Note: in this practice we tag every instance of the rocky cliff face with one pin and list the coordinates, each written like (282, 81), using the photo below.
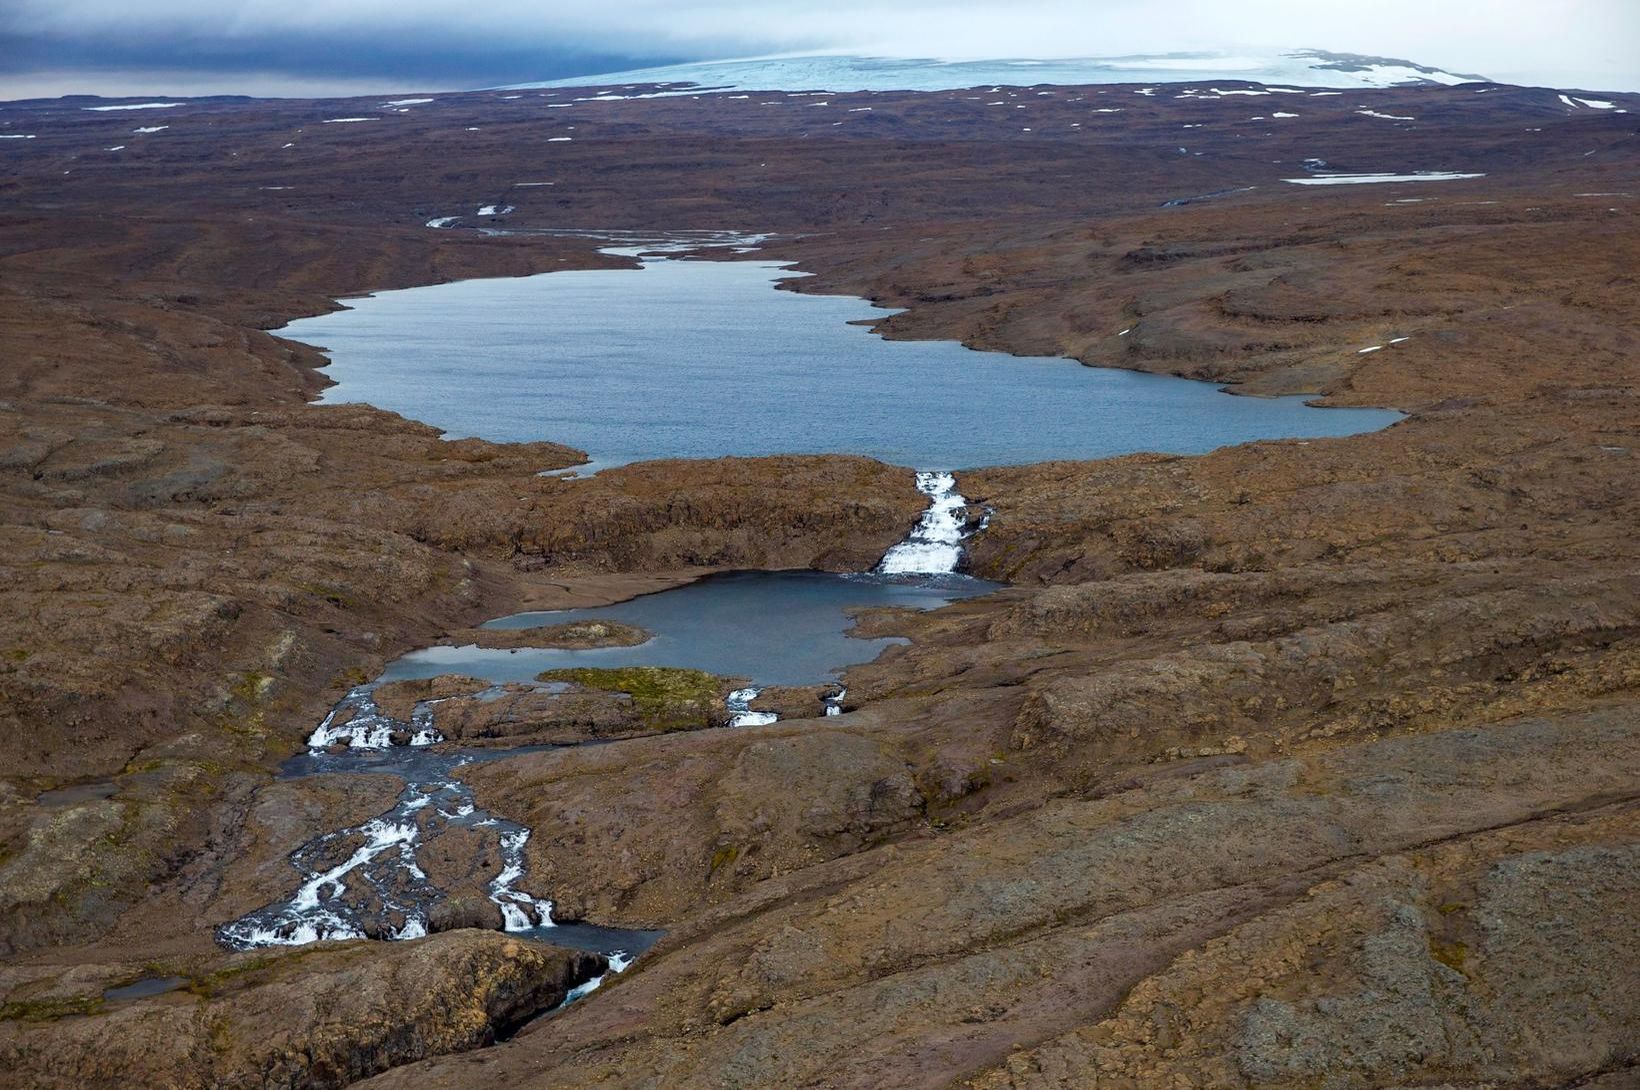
(322, 1017)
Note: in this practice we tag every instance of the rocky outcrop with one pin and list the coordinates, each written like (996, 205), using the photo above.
(677, 819)
(527, 715)
(316, 1019)
(1347, 910)
(398, 699)
(1435, 962)
(574, 635)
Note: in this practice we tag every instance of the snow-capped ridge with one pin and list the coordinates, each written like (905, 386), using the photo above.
(842, 73)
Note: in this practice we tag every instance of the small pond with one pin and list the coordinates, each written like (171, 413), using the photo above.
(772, 628)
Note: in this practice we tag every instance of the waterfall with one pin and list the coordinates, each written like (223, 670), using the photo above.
(934, 545)
(739, 704)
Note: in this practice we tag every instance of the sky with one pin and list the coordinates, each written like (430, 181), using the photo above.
(324, 47)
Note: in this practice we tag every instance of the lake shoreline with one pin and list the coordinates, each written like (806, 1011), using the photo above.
(815, 378)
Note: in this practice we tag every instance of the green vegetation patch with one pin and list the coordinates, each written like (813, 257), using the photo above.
(723, 857)
(1451, 954)
(49, 1010)
(258, 968)
(666, 697)
(574, 635)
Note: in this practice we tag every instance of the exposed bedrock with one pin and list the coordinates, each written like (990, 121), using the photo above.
(1364, 914)
(320, 1018)
(667, 823)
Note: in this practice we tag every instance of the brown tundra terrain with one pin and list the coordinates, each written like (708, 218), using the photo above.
(1297, 764)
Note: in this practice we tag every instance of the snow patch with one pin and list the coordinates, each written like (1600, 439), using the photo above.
(135, 106)
(1591, 103)
(1369, 179)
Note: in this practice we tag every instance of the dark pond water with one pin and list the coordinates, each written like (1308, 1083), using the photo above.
(147, 986)
(773, 628)
(75, 794)
(697, 359)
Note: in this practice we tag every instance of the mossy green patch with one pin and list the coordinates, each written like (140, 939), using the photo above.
(208, 984)
(327, 594)
(666, 697)
(723, 857)
(350, 678)
(252, 686)
(49, 1010)
(1450, 954)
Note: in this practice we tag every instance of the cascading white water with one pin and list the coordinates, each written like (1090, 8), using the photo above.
(516, 905)
(368, 727)
(377, 888)
(934, 545)
(618, 963)
(739, 704)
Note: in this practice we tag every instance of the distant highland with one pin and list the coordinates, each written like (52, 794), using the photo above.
(844, 72)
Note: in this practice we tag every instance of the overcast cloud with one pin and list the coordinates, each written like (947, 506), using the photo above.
(343, 46)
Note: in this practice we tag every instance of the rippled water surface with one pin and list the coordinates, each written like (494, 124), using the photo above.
(697, 359)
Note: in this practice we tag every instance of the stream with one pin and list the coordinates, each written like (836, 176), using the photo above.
(368, 880)
(574, 357)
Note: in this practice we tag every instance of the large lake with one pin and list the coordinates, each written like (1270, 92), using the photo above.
(697, 359)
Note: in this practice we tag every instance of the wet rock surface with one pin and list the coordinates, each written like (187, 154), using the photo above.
(398, 699)
(797, 701)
